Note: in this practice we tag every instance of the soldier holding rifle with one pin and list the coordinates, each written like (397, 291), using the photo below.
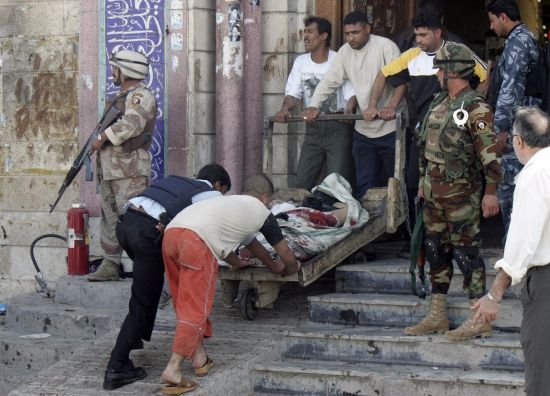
(123, 159)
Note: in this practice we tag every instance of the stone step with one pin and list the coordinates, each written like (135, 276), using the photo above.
(27, 352)
(21, 359)
(32, 313)
(398, 310)
(76, 290)
(324, 342)
(12, 377)
(368, 379)
(391, 276)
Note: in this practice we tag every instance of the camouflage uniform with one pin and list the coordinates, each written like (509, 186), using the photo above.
(510, 90)
(453, 161)
(124, 164)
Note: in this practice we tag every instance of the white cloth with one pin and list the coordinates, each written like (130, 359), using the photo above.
(361, 67)
(338, 187)
(223, 222)
(306, 75)
(528, 239)
(306, 239)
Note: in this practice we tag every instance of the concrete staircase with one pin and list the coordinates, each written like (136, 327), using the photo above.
(38, 332)
(81, 324)
(311, 343)
(354, 344)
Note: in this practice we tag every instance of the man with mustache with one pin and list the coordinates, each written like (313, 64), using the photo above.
(328, 141)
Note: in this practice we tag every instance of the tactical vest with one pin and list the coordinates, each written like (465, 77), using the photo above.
(447, 144)
(175, 193)
(144, 139)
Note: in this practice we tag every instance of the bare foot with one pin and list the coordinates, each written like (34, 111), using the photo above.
(199, 357)
(172, 371)
(170, 379)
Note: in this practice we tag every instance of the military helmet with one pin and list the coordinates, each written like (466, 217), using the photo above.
(454, 57)
(131, 64)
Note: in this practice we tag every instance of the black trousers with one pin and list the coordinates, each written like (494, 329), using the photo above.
(137, 235)
(535, 339)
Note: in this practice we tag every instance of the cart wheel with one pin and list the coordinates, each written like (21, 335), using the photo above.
(250, 304)
(359, 257)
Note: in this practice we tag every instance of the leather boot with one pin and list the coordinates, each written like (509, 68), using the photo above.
(107, 271)
(469, 329)
(436, 321)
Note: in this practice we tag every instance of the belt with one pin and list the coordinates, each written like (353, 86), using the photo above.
(538, 268)
(140, 212)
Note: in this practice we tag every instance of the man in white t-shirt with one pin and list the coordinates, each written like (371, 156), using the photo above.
(328, 140)
(193, 243)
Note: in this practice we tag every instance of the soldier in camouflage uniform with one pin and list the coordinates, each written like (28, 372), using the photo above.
(457, 148)
(123, 160)
(514, 83)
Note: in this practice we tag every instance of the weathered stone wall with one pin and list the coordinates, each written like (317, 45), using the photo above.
(201, 127)
(43, 44)
(282, 42)
(38, 131)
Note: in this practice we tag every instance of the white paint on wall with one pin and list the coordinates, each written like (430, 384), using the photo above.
(177, 4)
(8, 162)
(175, 62)
(220, 16)
(232, 58)
(88, 82)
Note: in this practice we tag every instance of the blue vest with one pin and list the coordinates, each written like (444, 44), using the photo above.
(175, 193)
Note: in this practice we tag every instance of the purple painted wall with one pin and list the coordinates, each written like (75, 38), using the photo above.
(139, 25)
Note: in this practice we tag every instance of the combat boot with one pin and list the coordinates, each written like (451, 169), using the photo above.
(469, 329)
(107, 271)
(436, 321)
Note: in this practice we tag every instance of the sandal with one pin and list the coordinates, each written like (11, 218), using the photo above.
(202, 371)
(184, 386)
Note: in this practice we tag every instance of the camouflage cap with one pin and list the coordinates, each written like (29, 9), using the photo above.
(454, 57)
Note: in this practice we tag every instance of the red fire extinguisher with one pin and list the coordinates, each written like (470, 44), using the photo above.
(77, 240)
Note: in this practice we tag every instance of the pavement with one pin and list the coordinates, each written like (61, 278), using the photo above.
(237, 345)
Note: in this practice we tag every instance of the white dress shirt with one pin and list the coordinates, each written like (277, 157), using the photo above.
(154, 209)
(528, 240)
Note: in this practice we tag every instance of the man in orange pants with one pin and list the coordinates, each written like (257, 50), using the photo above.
(193, 242)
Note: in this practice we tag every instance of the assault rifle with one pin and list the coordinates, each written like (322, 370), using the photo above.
(110, 115)
(418, 254)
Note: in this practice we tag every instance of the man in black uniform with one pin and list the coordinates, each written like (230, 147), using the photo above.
(139, 232)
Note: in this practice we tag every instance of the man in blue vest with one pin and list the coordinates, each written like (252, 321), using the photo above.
(139, 232)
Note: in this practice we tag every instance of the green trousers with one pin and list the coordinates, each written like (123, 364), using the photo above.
(328, 141)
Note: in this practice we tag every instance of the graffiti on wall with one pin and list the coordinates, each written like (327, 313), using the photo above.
(138, 25)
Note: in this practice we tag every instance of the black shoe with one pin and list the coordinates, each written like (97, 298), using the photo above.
(137, 345)
(115, 379)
